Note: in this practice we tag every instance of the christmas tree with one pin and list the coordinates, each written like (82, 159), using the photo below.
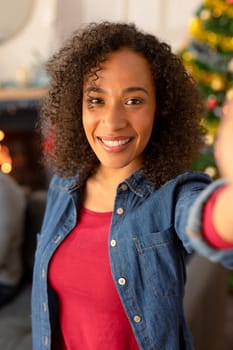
(208, 56)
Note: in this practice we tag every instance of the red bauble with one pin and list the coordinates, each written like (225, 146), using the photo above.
(211, 103)
(230, 2)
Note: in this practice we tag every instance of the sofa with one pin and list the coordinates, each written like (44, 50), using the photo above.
(205, 300)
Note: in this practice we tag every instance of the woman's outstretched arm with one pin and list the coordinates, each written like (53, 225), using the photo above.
(223, 208)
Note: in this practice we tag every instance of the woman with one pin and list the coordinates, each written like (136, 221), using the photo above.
(121, 122)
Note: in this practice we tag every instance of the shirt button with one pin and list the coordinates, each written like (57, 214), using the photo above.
(44, 307)
(113, 243)
(57, 239)
(137, 318)
(46, 340)
(122, 281)
(124, 187)
(120, 211)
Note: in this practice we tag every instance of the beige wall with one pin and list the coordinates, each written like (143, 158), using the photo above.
(167, 19)
(53, 20)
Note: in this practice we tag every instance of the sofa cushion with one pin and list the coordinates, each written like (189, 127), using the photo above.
(12, 213)
(34, 216)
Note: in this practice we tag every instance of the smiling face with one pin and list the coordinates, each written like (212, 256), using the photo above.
(119, 110)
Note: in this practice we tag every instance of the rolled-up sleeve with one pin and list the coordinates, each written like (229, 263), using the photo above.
(194, 229)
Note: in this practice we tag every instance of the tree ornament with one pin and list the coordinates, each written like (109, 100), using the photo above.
(217, 12)
(195, 27)
(211, 102)
(217, 84)
(187, 56)
(213, 38)
(217, 111)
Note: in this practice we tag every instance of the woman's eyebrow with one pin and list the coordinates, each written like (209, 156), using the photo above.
(135, 88)
(94, 89)
(126, 90)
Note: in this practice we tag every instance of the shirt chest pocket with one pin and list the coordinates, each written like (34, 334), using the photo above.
(160, 262)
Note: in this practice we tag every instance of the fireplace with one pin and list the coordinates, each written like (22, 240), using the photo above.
(20, 154)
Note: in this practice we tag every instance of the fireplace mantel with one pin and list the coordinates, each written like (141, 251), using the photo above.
(19, 108)
(12, 94)
(20, 97)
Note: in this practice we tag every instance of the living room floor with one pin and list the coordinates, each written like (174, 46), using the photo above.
(229, 323)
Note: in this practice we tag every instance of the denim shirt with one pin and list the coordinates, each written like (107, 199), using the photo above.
(148, 246)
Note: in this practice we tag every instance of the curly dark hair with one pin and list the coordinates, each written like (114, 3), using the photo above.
(177, 134)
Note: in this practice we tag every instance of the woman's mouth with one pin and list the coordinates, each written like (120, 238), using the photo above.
(117, 144)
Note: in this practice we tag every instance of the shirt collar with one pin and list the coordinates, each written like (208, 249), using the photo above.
(139, 184)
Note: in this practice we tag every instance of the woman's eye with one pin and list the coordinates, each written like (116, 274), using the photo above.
(134, 101)
(94, 101)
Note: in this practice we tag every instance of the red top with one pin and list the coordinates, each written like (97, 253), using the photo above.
(91, 313)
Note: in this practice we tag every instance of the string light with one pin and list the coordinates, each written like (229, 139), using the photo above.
(211, 171)
(6, 168)
(209, 139)
(2, 135)
(229, 94)
(5, 159)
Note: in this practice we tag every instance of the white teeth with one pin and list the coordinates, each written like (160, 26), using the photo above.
(111, 143)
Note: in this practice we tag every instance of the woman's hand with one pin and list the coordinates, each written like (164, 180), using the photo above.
(222, 213)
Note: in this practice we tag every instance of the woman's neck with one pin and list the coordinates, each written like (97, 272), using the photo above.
(113, 177)
(100, 188)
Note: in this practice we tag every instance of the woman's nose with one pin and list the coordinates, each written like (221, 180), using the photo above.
(115, 117)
